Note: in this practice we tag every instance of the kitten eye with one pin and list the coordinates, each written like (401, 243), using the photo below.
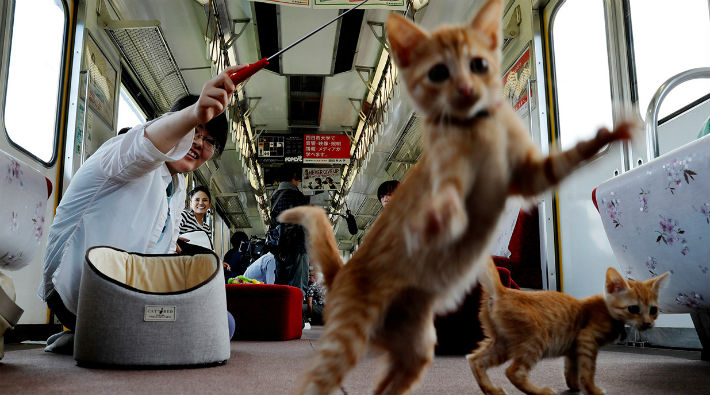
(438, 73)
(633, 309)
(479, 65)
(653, 310)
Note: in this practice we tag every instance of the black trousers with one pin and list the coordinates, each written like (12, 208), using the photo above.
(66, 317)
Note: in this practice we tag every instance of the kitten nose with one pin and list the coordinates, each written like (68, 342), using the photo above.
(646, 325)
(465, 90)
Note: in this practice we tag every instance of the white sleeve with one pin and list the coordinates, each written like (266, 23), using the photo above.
(131, 155)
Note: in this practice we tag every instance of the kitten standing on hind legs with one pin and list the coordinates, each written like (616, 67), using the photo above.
(526, 326)
(420, 256)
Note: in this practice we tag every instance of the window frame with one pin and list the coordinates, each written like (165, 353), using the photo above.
(60, 84)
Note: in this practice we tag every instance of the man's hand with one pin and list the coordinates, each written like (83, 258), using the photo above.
(215, 95)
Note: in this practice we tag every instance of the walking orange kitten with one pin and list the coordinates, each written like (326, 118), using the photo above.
(528, 326)
(420, 255)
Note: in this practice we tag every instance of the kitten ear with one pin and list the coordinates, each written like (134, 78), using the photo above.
(403, 35)
(658, 281)
(489, 20)
(614, 282)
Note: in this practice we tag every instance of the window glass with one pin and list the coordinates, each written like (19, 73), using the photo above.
(581, 70)
(670, 37)
(33, 80)
(129, 113)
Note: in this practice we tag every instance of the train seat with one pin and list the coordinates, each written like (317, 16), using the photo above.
(265, 311)
(24, 192)
(657, 219)
(460, 331)
(151, 310)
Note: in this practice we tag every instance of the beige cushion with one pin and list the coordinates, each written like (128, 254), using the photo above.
(169, 273)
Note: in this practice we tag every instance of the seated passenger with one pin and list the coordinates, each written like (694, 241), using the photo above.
(385, 190)
(315, 299)
(236, 260)
(195, 219)
(263, 269)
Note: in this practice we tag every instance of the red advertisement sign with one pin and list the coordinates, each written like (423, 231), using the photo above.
(326, 148)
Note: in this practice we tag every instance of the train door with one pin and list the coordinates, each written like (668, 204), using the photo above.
(594, 64)
(33, 65)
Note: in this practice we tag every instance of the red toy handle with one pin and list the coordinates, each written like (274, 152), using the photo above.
(243, 74)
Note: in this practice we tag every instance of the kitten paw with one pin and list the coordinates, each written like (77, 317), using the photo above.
(595, 390)
(494, 391)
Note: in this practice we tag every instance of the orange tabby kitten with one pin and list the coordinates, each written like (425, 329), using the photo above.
(420, 255)
(528, 326)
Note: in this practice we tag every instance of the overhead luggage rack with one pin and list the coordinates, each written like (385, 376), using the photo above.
(143, 47)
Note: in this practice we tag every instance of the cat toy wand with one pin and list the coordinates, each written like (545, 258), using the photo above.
(248, 71)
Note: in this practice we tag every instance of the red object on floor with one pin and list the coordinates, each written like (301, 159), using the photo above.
(524, 246)
(265, 311)
(459, 332)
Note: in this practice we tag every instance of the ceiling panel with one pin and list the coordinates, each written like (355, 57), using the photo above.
(271, 109)
(314, 55)
(337, 108)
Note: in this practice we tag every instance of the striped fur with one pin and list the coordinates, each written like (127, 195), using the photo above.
(528, 326)
(421, 255)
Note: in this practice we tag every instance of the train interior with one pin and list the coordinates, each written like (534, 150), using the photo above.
(75, 72)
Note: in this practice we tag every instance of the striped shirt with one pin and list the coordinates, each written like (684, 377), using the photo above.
(188, 223)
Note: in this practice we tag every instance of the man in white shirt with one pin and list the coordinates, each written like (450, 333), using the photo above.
(130, 193)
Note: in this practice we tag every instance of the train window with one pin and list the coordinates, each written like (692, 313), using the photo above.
(581, 70)
(34, 75)
(129, 113)
(669, 38)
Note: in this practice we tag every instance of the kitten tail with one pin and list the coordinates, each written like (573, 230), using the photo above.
(490, 280)
(322, 247)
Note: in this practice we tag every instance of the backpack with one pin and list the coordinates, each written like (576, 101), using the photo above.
(283, 240)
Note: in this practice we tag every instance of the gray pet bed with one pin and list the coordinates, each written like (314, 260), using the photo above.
(151, 310)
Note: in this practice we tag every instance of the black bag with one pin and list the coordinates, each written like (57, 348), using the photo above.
(283, 240)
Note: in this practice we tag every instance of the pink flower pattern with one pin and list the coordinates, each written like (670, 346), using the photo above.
(38, 221)
(14, 172)
(651, 264)
(705, 211)
(690, 299)
(671, 233)
(643, 198)
(8, 259)
(677, 171)
(613, 210)
(13, 222)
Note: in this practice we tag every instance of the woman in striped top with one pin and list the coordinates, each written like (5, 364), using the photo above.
(196, 218)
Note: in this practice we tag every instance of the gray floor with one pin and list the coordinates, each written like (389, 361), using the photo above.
(276, 367)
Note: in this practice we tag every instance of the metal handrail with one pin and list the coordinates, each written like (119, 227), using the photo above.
(654, 105)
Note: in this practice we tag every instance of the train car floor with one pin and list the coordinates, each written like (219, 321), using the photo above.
(275, 367)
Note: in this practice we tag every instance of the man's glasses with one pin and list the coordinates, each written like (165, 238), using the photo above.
(209, 143)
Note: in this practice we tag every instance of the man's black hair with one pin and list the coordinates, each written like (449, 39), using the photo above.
(217, 126)
(386, 188)
(289, 172)
(237, 238)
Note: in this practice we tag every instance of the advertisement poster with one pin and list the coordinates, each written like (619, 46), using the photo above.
(393, 5)
(102, 82)
(270, 147)
(515, 82)
(293, 149)
(279, 149)
(326, 148)
(318, 179)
